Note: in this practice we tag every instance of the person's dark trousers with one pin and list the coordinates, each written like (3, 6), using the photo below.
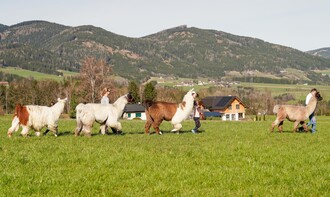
(197, 123)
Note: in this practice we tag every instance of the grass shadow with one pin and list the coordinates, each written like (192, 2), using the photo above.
(65, 133)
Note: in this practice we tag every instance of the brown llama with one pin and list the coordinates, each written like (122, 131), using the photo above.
(156, 112)
(296, 114)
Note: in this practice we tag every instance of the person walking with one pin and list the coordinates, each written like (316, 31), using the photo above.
(198, 113)
(312, 119)
(105, 96)
(105, 101)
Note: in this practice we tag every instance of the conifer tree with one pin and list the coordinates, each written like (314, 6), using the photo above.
(149, 93)
(134, 90)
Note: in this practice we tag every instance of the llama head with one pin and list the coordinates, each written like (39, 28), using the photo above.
(190, 96)
(318, 96)
(129, 97)
(62, 100)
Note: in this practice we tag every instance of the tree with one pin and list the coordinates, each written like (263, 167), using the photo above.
(149, 92)
(94, 73)
(134, 90)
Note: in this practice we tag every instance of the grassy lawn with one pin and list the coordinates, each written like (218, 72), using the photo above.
(226, 159)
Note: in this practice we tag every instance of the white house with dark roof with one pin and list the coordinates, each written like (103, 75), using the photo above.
(230, 107)
(132, 111)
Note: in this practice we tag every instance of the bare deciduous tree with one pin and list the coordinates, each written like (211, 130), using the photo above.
(94, 73)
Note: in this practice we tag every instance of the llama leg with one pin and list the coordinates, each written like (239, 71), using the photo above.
(77, 131)
(106, 130)
(55, 131)
(155, 125)
(295, 126)
(78, 128)
(14, 126)
(53, 128)
(280, 127)
(303, 123)
(177, 127)
(305, 127)
(88, 130)
(45, 133)
(25, 131)
(147, 126)
(118, 128)
(102, 129)
(38, 133)
(274, 124)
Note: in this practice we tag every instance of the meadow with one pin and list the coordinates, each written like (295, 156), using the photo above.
(226, 159)
(36, 75)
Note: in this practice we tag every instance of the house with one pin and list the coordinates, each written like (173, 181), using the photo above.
(230, 107)
(134, 111)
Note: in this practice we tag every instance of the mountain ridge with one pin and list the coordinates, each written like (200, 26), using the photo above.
(179, 51)
(322, 52)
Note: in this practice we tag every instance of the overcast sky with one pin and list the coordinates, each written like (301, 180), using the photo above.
(300, 24)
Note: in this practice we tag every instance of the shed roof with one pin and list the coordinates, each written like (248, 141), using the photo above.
(134, 108)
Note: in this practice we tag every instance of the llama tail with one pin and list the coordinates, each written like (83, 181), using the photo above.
(17, 116)
(147, 104)
(18, 109)
(276, 108)
(79, 111)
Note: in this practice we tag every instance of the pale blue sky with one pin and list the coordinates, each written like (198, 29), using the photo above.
(300, 24)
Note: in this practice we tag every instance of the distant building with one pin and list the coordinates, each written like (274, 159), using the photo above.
(230, 107)
(132, 111)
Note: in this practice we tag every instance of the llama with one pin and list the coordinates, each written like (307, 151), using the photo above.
(106, 115)
(296, 114)
(156, 112)
(36, 117)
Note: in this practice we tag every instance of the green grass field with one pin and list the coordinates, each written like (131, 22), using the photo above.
(226, 159)
(36, 75)
(299, 91)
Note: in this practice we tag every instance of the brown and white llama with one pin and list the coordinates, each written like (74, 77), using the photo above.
(36, 117)
(296, 114)
(156, 112)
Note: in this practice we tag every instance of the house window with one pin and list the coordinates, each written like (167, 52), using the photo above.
(229, 107)
(240, 115)
(138, 115)
(233, 117)
(227, 117)
(237, 106)
(129, 115)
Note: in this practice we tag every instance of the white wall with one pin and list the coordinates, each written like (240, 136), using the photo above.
(133, 115)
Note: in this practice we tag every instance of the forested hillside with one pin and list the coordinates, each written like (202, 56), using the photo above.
(2, 27)
(180, 52)
(323, 52)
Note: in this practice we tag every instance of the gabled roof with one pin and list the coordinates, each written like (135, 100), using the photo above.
(219, 102)
(129, 108)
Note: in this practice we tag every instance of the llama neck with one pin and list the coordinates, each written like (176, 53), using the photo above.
(58, 108)
(120, 105)
(189, 106)
(311, 105)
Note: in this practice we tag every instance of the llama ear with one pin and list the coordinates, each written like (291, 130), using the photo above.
(191, 90)
(58, 99)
